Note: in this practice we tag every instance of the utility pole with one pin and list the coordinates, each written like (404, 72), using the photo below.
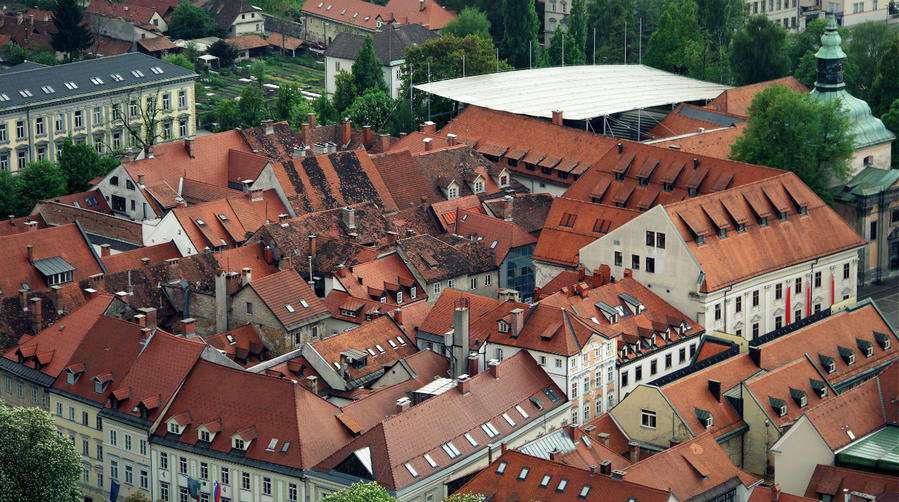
(463, 65)
(563, 49)
(625, 42)
(594, 45)
(640, 60)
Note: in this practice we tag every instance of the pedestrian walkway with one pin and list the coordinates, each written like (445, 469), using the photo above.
(886, 296)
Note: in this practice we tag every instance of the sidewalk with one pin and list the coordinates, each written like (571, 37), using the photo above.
(886, 296)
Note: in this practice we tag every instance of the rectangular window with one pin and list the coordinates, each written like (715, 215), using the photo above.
(291, 492)
(128, 442)
(650, 265)
(668, 361)
(648, 419)
(618, 259)
(182, 128)
(755, 298)
(182, 465)
(20, 129)
(845, 271)
(474, 283)
(798, 285)
(778, 291)
(98, 115)
(182, 98)
(4, 161)
(226, 476)
(660, 240)
(163, 461)
(5, 137)
(249, 308)
(635, 262)
(116, 111)
(624, 378)
(114, 469)
(144, 479)
(164, 492)
(681, 355)
(129, 474)
(653, 366)
(22, 160)
(487, 282)
(85, 417)
(778, 322)
(99, 451)
(245, 480)
(39, 125)
(755, 330)
(79, 119)
(638, 373)
(85, 447)
(204, 470)
(133, 108)
(817, 279)
(166, 101)
(650, 238)
(738, 304)
(266, 486)
(573, 390)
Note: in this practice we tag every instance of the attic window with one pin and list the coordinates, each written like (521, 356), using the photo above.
(204, 436)
(799, 396)
(402, 342)
(545, 481)
(355, 15)
(584, 491)
(371, 351)
(47, 89)
(783, 216)
(562, 484)
(137, 73)
(568, 220)
(70, 85)
(430, 461)
(451, 450)
(490, 430)
(328, 7)
(25, 93)
(380, 349)
(272, 444)
(201, 222)
(174, 427)
(157, 70)
(741, 228)
(803, 210)
(223, 217)
(411, 469)
(551, 394)
(96, 80)
(508, 419)
(231, 340)
(238, 444)
(289, 308)
(285, 446)
(779, 406)
(847, 354)
(700, 240)
(367, 18)
(392, 343)
(828, 363)
(521, 411)
(501, 468)
(763, 221)
(493, 244)
(343, 12)
(865, 346)
(819, 387)
(471, 440)
(304, 304)
(705, 418)
(116, 77)
(882, 340)
(524, 473)
(503, 327)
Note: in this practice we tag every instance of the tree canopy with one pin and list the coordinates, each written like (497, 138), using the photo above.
(577, 25)
(520, 26)
(367, 72)
(868, 42)
(225, 51)
(39, 180)
(606, 22)
(552, 56)
(885, 89)
(188, 21)
(361, 492)
(373, 108)
(180, 60)
(890, 120)
(797, 132)
(72, 36)
(36, 463)
(470, 21)
(758, 51)
(80, 163)
(325, 112)
(345, 91)
(677, 44)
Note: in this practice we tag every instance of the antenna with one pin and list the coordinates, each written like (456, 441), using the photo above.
(625, 42)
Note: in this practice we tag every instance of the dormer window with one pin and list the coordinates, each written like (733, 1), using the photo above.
(866, 347)
(799, 396)
(238, 444)
(478, 186)
(668, 187)
(705, 418)
(691, 191)
(778, 405)
(384, 299)
(882, 340)
(783, 216)
(803, 210)
(73, 373)
(413, 292)
(452, 192)
(819, 387)
(847, 354)
(763, 221)
(399, 297)
(101, 383)
(827, 363)
(174, 428)
(204, 436)
(504, 180)
(741, 228)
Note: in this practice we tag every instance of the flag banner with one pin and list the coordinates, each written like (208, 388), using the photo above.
(193, 486)
(113, 491)
(216, 492)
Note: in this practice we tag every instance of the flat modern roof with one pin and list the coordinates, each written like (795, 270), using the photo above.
(580, 92)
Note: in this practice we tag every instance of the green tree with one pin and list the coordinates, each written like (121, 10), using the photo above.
(890, 120)
(257, 69)
(325, 112)
(226, 52)
(72, 36)
(180, 60)
(345, 91)
(190, 22)
(470, 21)
(758, 51)
(361, 492)
(677, 45)
(519, 32)
(374, 108)
(288, 96)
(44, 57)
(552, 56)
(885, 89)
(40, 180)
(868, 42)
(577, 26)
(465, 497)
(251, 106)
(607, 20)
(226, 113)
(14, 53)
(445, 55)
(8, 202)
(719, 20)
(36, 463)
(137, 497)
(191, 52)
(367, 72)
(80, 163)
(298, 113)
(797, 132)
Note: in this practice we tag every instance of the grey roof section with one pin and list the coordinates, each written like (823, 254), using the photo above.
(390, 45)
(81, 73)
(27, 65)
(30, 374)
(708, 116)
(557, 440)
(54, 265)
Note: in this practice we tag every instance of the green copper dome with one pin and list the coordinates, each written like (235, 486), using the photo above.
(829, 86)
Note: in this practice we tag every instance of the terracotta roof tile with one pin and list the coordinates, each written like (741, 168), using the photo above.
(132, 14)
(387, 274)
(134, 258)
(18, 226)
(767, 494)
(500, 235)
(251, 255)
(156, 44)
(437, 259)
(242, 345)
(414, 142)
(429, 14)
(528, 210)
(605, 424)
(440, 320)
(365, 339)
(404, 179)
(247, 42)
(462, 164)
(711, 143)
(355, 12)
(686, 118)
(447, 210)
(736, 101)
(284, 42)
(287, 296)
(857, 408)
(788, 383)
(92, 200)
(832, 480)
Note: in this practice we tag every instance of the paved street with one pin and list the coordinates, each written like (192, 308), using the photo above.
(886, 296)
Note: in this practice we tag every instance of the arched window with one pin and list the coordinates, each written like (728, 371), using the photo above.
(114, 181)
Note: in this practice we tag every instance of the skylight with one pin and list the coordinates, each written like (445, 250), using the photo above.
(71, 85)
(490, 430)
(584, 491)
(501, 468)
(545, 481)
(430, 460)
(391, 342)
(25, 93)
(524, 473)
(380, 349)
(493, 244)
(231, 340)
(320, 4)
(223, 217)
(289, 308)
(137, 73)
(285, 446)
(4, 97)
(411, 470)
(371, 351)
(304, 304)
(402, 342)
(508, 419)
(471, 440)
(343, 12)
(47, 89)
(451, 450)
(200, 222)
(521, 410)
(562, 484)
(96, 80)
(116, 77)
(157, 70)
(272, 444)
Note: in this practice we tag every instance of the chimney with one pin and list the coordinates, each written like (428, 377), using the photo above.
(461, 344)
(493, 367)
(472, 363)
(557, 117)
(421, 5)
(140, 320)
(847, 497)
(628, 272)
(517, 321)
(145, 261)
(188, 326)
(695, 163)
(775, 492)
(508, 201)
(189, 146)
(173, 270)
(282, 219)
(554, 454)
(36, 315)
(149, 152)
(603, 438)
(428, 128)
(54, 297)
(140, 179)
(403, 404)
(246, 275)
(255, 195)
(20, 17)
(269, 126)
(180, 202)
(310, 119)
(29, 249)
(349, 218)
(755, 354)
(427, 142)
(306, 133)
(232, 283)
(398, 316)
(451, 139)
(311, 383)
(620, 148)
(593, 470)
(150, 315)
(268, 255)
(605, 467)
(618, 474)
(715, 389)
(464, 384)
(298, 152)
(30, 19)
(604, 275)
(23, 299)
(384, 142)
(105, 250)
(672, 443)
(345, 132)
(313, 248)
(634, 448)
(145, 334)
(366, 135)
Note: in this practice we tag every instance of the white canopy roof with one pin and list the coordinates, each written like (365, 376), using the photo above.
(580, 92)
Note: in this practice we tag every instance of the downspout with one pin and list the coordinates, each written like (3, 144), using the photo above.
(880, 230)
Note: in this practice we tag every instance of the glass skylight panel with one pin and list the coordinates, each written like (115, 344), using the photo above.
(47, 89)
(471, 440)
(402, 342)
(584, 491)
(501, 468)
(4, 97)
(96, 80)
(430, 460)
(452, 451)
(272, 445)
(71, 85)
(336, 365)
(24, 93)
(493, 244)
(371, 351)
(545, 481)
(391, 342)
(137, 73)
(411, 470)
(508, 419)
(289, 308)
(587, 442)
(562, 484)
(522, 412)
(490, 430)
(524, 473)
(380, 349)
(304, 304)
(285, 446)
(157, 70)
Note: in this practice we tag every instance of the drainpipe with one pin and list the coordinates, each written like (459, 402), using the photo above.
(880, 230)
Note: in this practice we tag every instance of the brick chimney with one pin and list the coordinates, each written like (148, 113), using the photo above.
(384, 142)
(189, 146)
(105, 250)
(403, 404)
(269, 126)
(421, 5)
(311, 383)
(605, 467)
(140, 179)
(366, 135)
(306, 133)
(56, 298)
(313, 244)
(30, 226)
(246, 275)
(628, 272)
(493, 368)
(310, 119)
(398, 316)
(36, 314)
(428, 128)
(517, 321)
(451, 139)
(173, 270)
(775, 492)
(29, 250)
(603, 438)
(428, 142)
(461, 343)
(345, 132)
(150, 316)
(634, 448)
(268, 255)
(188, 326)
(508, 201)
(232, 283)
(463, 383)
(557, 117)
(349, 217)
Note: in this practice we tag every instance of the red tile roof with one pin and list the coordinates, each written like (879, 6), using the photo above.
(365, 339)
(737, 100)
(247, 42)
(156, 44)
(132, 14)
(242, 345)
(690, 469)
(385, 277)
(64, 241)
(275, 407)
(572, 224)
(404, 180)
(414, 142)
(196, 192)
(446, 211)
(569, 281)
(92, 200)
(679, 121)
(845, 329)
(364, 309)
(834, 481)
(127, 260)
(447, 417)
(251, 255)
(228, 222)
(542, 480)
(547, 328)
(17, 225)
(447, 257)
(784, 384)
(773, 494)
(759, 250)
(529, 210)
(428, 13)
(500, 235)
(285, 293)
(711, 346)
(711, 143)
(354, 12)
(605, 424)
(284, 41)
(440, 320)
